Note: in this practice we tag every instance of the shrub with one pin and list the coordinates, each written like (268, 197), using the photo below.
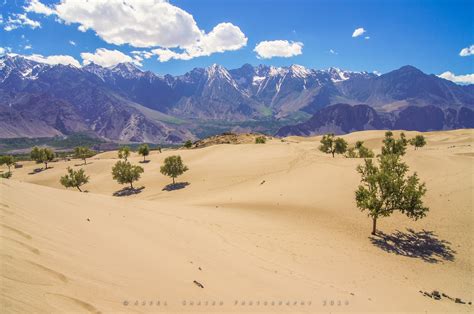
(144, 150)
(332, 145)
(8, 161)
(74, 179)
(188, 144)
(83, 152)
(173, 167)
(124, 152)
(260, 140)
(124, 172)
(418, 141)
(42, 155)
(393, 145)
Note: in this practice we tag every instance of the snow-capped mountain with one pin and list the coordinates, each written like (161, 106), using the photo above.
(125, 103)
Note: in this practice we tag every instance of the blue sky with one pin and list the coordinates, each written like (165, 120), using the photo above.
(319, 34)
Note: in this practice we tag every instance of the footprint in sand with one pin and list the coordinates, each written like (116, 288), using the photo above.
(29, 272)
(21, 233)
(64, 303)
(24, 245)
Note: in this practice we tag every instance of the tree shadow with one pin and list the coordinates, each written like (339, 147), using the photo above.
(82, 164)
(144, 161)
(38, 170)
(176, 186)
(127, 191)
(424, 245)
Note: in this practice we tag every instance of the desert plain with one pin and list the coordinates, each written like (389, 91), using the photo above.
(255, 228)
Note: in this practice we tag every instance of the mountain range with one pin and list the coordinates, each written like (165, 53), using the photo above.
(126, 104)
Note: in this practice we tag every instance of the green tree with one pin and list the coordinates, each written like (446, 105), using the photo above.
(260, 140)
(393, 145)
(42, 155)
(386, 187)
(74, 179)
(83, 152)
(332, 145)
(159, 149)
(173, 167)
(124, 152)
(144, 150)
(188, 144)
(124, 172)
(8, 161)
(364, 152)
(418, 141)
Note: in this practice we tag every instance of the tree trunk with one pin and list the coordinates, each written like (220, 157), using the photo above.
(332, 154)
(143, 158)
(374, 225)
(45, 165)
(85, 161)
(131, 185)
(79, 188)
(173, 180)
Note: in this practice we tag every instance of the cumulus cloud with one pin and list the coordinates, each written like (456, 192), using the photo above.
(223, 37)
(37, 7)
(148, 24)
(469, 51)
(107, 58)
(55, 59)
(19, 20)
(462, 79)
(278, 48)
(358, 31)
(72, 42)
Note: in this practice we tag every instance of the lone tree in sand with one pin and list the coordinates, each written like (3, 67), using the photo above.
(260, 140)
(331, 145)
(8, 161)
(124, 172)
(124, 152)
(83, 153)
(386, 188)
(418, 141)
(393, 145)
(144, 150)
(42, 155)
(74, 179)
(173, 167)
(188, 144)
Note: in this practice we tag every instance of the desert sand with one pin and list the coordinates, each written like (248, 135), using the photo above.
(257, 223)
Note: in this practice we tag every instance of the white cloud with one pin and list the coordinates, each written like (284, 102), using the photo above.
(55, 59)
(223, 37)
(332, 51)
(2, 51)
(278, 48)
(71, 42)
(142, 53)
(469, 51)
(107, 58)
(377, 73)
(149, 24)
(19, 20)
(37, 7)
(462, 79)
(358, 31)
(367, 37)
(27, 47)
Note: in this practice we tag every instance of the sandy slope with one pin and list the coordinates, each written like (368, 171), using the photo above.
(274, 222)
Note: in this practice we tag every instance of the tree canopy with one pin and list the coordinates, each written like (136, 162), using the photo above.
(83, 152)
(173, 167)
(393, 145)
(332, 145)
(74, 178)
(8, 161)
(418, 141)
(124, 172)
(42, 155)
(144, 150)
(124, 152)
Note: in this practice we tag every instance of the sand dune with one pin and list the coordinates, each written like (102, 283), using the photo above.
(260, 223)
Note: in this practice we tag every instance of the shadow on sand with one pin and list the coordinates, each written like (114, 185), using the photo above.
(144, 161)
(82, 164)
(424, 245)
(176, 186)
(38, 170)
(128, 191)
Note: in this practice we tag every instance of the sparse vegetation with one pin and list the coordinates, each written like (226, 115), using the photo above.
(393, 145)
(124, 152)
(386, 187)
(124, 172)
(359, 151)
(188, 144)
(83, 152)
(6, 175)
(260, 140)
(418, 141)
(332, 145)
(8, 161)
(74, 179)
(144, 150)
(42, 155)
(173, 167)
